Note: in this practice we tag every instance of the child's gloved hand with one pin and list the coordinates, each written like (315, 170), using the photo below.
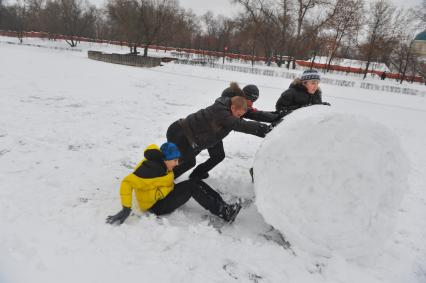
(283, 113)
(275, 123)
(120, 217)
(263, 130)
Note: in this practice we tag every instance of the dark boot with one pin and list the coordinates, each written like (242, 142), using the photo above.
(229, 212)
(212, 201)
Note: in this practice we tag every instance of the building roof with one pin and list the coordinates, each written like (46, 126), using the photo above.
(421, 36)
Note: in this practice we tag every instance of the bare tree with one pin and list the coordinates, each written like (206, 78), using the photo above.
(155, 21)
(124, 20)
(285, 27)
(33, 9)
(422, 70)
(346, 22)
(2, 9)
(186, 28)
(420, 14)
(303, 8)
(378, 29)
(218, 31)
(252, 20)
(50, 18)
(211, 33)
(270, 31)
(13, 18)
(148, 22)
(402, 35)
(77, 19)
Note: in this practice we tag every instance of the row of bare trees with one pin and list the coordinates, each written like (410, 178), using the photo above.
(282, 30)
(68, 17)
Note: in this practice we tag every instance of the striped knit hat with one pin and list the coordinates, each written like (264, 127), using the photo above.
(309, 75)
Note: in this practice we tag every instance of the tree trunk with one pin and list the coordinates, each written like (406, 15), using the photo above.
(406, 64)
(253, 53)
(71, 42)
(366, 69)
(313, 59)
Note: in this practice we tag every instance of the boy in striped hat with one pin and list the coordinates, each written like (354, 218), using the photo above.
(303, 91)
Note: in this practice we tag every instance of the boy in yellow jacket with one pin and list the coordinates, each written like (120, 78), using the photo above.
(155, 191)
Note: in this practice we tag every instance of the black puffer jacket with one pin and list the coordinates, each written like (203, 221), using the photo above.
(297, 96)
(252, 114)
(210, 125)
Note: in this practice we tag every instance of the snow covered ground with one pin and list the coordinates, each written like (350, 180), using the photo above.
(71, 128)
(85, 46)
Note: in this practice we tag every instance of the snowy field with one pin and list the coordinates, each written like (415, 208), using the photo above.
(72, 128)
(109, 48)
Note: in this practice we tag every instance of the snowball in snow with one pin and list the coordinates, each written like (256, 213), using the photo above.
(330, 181)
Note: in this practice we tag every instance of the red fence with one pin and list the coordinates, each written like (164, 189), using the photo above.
(46, 35)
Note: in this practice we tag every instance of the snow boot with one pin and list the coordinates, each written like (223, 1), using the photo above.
(230, 211)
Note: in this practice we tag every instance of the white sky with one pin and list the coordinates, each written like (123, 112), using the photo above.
(225, 7)
(200, 7)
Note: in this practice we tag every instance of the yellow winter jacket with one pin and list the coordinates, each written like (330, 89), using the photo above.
(151, 181)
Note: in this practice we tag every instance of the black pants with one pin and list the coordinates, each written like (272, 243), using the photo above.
(182, 192)
(176, 135)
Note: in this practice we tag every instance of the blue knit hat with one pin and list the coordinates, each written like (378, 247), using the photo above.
(170, 151)
(309, 75)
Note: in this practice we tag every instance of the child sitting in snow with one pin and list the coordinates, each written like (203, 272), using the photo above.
(153, 183)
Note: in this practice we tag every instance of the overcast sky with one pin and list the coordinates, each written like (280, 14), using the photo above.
(225, 7)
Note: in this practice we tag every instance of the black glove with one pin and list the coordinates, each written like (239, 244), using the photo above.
(283, 113)
(326, 103)
(275, 123)
(120, 217)
(263, 130)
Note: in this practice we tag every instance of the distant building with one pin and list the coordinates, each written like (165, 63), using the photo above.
(419, 44)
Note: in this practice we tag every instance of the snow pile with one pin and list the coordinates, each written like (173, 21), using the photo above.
(331, 182)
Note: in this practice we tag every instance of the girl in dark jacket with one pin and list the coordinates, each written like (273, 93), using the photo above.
(303, 91)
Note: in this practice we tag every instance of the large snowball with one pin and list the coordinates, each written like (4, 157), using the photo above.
(331, 182)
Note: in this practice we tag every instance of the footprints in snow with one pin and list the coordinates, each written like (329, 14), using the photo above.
(231, 268)
(4, 151)
(55, 99)
(276, 236)
(78, 147)
(34, 98)
(128, 164)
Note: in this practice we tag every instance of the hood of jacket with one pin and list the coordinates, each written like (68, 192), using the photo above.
(298, 85)
(233, 90)
(153, 165)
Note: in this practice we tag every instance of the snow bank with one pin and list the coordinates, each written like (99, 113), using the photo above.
(331, 182)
